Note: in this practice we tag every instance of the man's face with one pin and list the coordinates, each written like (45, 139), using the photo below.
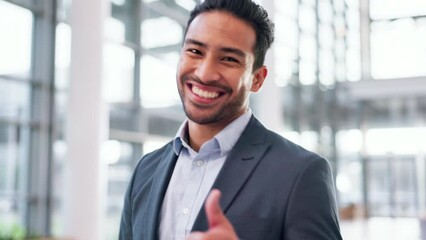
(215, 73)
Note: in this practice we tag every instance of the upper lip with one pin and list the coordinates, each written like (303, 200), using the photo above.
(207, 87)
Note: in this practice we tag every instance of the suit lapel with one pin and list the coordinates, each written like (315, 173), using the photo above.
(242, 160)
(160, 182)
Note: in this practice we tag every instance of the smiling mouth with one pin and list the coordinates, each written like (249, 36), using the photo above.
(204, 94)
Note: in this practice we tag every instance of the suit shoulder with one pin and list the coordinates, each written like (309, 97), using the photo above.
(152, 158)
(145, 168)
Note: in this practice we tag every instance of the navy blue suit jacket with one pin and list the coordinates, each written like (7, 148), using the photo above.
(271, 189)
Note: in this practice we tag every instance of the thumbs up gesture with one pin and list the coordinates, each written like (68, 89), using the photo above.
(219, 226)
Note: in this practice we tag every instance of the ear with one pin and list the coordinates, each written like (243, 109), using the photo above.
(258, 78)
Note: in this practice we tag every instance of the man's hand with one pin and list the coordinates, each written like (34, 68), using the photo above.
(219, 226)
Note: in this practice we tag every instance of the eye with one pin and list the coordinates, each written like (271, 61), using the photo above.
(194, 51)
(231, 59)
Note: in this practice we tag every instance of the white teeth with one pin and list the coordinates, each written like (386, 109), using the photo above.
(204, 94)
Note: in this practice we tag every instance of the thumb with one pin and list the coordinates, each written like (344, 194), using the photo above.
(214, 213)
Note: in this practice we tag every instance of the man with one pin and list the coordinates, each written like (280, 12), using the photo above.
(265, 187)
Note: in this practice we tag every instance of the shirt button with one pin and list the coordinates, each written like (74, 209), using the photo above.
(200, 163)
(185, 211)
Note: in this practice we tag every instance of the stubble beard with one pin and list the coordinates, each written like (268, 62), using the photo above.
(225, 113)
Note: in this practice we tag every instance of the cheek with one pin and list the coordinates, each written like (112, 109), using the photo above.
(182, 69)
(185, 63)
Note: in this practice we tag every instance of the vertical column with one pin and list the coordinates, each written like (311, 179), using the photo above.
(38, 170)
(87, 125)
(364, 7)
(269, 103)
(421, 183)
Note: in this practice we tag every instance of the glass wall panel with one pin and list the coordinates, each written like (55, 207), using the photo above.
(349, 173)
(308, 47)
(287, 8)
(392, 189)
(307, 18)
(119, 69)
(383, 9)
(115, 30)
(120, 157)
(152, 37)
(325, 11)
(398, 48)
(62, 56)
(15, 41)
(14, 100)
(405, 187)
(326, 67)
(287, 31)
(353, 41)
(187, 4)
(307, 72)
(158, 84)
(63, 10)
(13, 142)
(379, 182)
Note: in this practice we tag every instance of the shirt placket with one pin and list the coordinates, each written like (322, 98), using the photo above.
(186, 212)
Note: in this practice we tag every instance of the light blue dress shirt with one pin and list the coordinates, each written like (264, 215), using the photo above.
(193, 177)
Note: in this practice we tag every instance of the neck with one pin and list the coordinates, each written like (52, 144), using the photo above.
(198, 134)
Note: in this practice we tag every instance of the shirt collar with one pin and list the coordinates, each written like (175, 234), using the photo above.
(226, 138)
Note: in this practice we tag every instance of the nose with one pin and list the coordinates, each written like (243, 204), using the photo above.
(207, 70)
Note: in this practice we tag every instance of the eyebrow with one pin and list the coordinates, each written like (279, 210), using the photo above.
(223, 49)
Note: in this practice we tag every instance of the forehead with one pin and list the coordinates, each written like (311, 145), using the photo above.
(222, 28)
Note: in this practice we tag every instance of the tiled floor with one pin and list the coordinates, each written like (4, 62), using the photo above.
(383, 229)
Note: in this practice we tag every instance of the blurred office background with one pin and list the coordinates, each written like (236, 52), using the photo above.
(87, 87)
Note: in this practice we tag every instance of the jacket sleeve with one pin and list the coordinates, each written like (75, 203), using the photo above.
(312, 210)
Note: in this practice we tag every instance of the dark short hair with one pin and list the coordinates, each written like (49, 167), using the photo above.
(248, 11)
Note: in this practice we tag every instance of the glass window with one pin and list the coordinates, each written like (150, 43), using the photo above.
(14, 101)
(12, 174)
(119, 68)
(285, 52)
(115, 30)
(339, 6)
(15, 41)
(326, 36)
(187, 4)
(392, 186)
(308, 47)
(349, 183)
(325, 11)
(308, 2)
(287, 8)
(158, 84)
(287, 31)
(118, 2)
(378, 187)
(59, 150)
(353, 64)
(307, 72)
(352, 18)
(307, 19)
(309, 140)
(152, 38)
(380, 9)
(326, 67)
(283, 70)
(62, 56)
(396, 141)
(63, 9)
(398, 48)
(120, 156)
